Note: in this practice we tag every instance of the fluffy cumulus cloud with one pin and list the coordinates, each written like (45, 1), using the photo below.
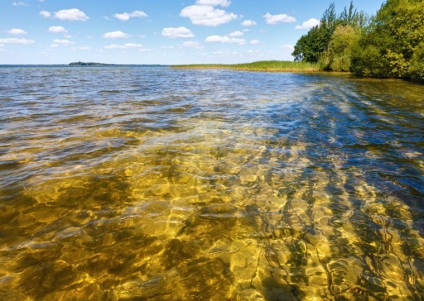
(275, 19)
(248, 23)
(57, 29)
(236, 34)
(19, 4)
(308, 24)
(192, 44)
(115, 35)
(254, 42)
(45, 14)
(16, 41)
(177, 32)
(17, 31)
(223, 3)
(127, 16)
(224, 39)
(62, 42)
(73, 14)
(125, 46)
(203, 12)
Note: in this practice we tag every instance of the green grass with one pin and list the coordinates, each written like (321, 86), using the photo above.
(269, 66)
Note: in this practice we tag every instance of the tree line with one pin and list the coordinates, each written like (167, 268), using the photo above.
(389, 44)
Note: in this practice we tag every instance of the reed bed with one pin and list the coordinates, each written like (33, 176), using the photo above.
(269, 66)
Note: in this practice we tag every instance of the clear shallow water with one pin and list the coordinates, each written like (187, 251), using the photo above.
(159, 184)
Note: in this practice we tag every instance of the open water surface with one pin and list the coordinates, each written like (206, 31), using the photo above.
(136, 183)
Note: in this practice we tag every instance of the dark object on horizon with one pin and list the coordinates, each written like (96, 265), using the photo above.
(87, 64)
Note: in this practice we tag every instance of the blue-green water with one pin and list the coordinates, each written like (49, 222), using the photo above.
(135, 183)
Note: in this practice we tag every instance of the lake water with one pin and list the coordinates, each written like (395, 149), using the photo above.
(137, 183)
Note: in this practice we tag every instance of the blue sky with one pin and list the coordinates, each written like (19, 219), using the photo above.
(155, 31)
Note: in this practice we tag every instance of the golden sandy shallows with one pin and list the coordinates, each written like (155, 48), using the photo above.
(210, 222)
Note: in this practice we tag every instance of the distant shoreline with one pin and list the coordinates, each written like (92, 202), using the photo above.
(259, 66)
(75, 65)
(89, 64)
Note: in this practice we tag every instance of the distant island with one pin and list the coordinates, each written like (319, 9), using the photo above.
(92, 64)
(88, 64)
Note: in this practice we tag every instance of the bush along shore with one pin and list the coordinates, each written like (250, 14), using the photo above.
(389, 44)
(268, 66)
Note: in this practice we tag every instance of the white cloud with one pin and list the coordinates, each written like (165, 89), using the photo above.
(207, 15)
(139, 47)
(81, 48)
(127, 16)
(248, 23)
(57, 29)
(125, 46)
(19, 4)
(16, 41)
(223, 3)
(115, 35)
(236, 34)
(62, 42)
(16, 31)
(45, 14)
(177, 32)
(308, 24)
(73, 14)
(192, 44)
(254, 42)
(224, 39)
(275, 19)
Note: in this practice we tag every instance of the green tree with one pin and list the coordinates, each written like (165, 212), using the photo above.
(416, 66)
(309, 47)
(392, 42)
(338, 55)
(315, 45)
(351, 16)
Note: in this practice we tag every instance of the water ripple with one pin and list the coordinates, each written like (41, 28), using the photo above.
(157, 184)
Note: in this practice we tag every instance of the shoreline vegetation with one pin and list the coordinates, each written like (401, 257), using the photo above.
(387, 45)
(265, 66)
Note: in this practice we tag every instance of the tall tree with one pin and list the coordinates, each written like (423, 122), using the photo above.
(315, 44)
(392, 42)
(338, 55)
(310, 47)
